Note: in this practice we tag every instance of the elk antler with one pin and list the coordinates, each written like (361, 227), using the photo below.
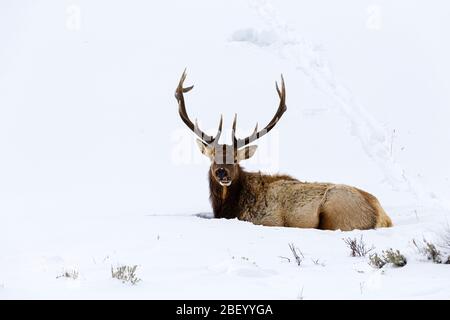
(183, 114)
(238, 143)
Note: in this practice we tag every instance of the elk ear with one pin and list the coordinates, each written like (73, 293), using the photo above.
(246, 153)
(207, 151)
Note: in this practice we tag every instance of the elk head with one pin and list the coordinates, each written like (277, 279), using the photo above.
(225, 158)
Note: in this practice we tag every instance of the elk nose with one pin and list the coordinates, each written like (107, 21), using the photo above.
(221, 173)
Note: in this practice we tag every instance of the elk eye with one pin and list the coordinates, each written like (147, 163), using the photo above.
(221, 173)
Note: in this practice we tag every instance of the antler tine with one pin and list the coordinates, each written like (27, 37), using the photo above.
(184, 116)
(281, 93)
(258, 134)
(233, 130)
(180, 88)
(255, 130)
(219, 131)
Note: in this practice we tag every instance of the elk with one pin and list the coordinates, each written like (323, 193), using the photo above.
(276, 200)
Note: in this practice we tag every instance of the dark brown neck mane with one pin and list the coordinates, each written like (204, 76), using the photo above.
(225, 200)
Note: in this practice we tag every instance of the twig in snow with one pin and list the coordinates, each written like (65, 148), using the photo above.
(298, 255)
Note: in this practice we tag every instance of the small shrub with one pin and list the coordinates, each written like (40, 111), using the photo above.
(376, 262)
(69, 274)
(125, 274)
(357, 247)
(390, 256)
(428, 250)
(298, 255)
(394, 257)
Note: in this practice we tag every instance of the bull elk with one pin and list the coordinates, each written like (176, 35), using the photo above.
(276, 200)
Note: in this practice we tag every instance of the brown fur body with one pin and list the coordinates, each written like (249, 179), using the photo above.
(281, 200)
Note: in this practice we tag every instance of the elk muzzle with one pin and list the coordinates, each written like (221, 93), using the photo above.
(223, 176)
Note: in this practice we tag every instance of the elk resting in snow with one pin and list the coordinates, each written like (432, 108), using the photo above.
(277, 200)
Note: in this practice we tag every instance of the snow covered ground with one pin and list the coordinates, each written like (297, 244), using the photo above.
(97, 170)
(189, 257)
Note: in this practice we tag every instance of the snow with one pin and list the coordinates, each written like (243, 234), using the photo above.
(97, 170)
(183, 257)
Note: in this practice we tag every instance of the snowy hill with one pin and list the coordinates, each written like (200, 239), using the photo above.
(97, 169)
